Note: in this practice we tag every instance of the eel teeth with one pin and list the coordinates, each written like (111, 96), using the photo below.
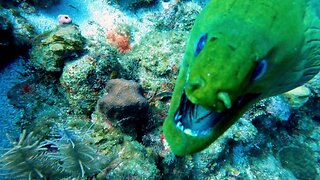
(189, 132)
(225, 98)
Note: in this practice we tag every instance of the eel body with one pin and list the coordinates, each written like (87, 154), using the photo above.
(238, 53)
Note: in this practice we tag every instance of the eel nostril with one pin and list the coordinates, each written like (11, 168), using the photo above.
(195, 84)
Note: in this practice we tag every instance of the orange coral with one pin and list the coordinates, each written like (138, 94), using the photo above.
(119, 39)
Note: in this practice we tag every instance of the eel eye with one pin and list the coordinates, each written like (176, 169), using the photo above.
(260, 70)
(200, 43)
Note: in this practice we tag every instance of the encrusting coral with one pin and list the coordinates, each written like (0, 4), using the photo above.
(120, 38)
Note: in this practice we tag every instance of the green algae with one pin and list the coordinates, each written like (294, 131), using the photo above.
(158, 54)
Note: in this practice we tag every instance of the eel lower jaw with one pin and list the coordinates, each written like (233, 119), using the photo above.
(195, 120)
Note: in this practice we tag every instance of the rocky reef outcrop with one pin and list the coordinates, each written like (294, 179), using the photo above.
(124, 105)
(51, 48)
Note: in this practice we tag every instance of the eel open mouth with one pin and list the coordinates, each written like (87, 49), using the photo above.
(195, 120)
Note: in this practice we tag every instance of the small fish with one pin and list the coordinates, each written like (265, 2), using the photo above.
(238, 53)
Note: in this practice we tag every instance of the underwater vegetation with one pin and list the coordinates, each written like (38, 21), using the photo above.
(78, 158)
(66, 154)
(26, 159)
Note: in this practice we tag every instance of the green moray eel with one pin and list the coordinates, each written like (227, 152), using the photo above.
(238, 53)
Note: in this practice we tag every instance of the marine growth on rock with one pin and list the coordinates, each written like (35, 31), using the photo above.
(124, 105)
(51, 48)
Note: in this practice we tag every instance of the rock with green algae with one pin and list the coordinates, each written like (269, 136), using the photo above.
(179, 16)
(133, 162)
(82, 84)
(51, 48)
(159, 55)
(314, 85)
(210, 163)
(22, 30)
(298, 97)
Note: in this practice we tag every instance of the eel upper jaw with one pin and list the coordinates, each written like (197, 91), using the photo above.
(195, 120)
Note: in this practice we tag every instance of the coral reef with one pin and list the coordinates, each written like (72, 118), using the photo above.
(51, 48)
(119, 37)
(278, 108)
(133, 161)
(36, 97)
(178, 17)
(314, 85)
(78, 81)
(78, 125)
(124, 105)
(130, 159)
(158, 54)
